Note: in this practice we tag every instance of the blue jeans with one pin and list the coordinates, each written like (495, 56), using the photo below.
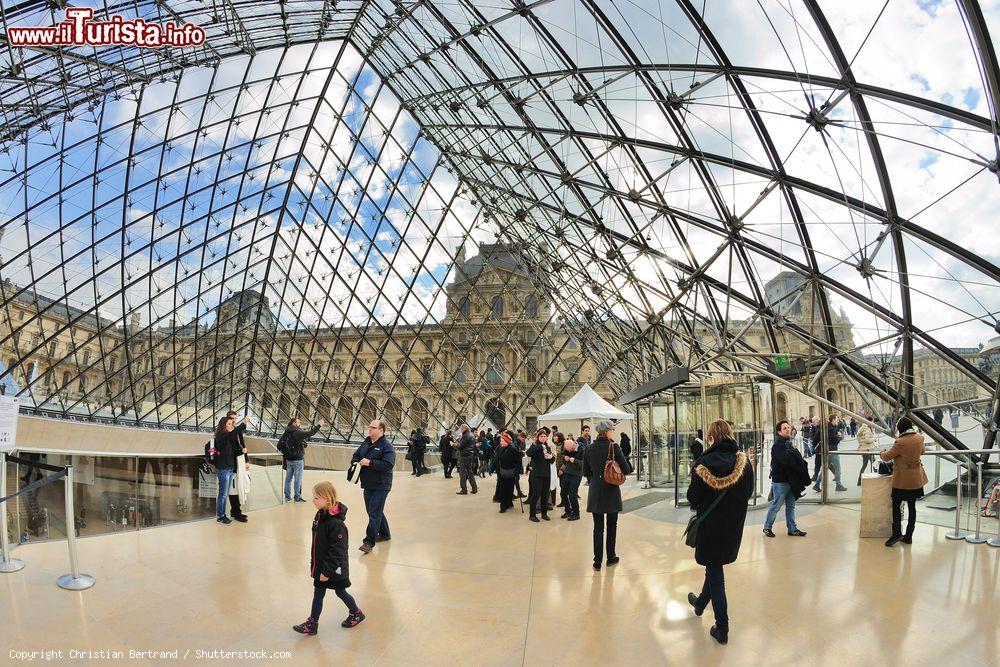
(294, 469)
(375, 506)
(782, 494)
(225, 481)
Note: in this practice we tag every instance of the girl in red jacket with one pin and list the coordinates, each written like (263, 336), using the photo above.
(328, 564)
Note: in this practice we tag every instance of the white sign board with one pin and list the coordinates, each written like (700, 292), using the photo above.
(8, 422)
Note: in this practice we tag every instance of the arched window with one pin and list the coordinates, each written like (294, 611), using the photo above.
(531, 306)
(418, 413)
(284, 409)
(368, 411)
(345, 412)
(393, 414)
(496, 306)
(464, 308)
(324, 407)
(494, 369)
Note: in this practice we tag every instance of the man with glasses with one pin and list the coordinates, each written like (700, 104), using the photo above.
(377, 458)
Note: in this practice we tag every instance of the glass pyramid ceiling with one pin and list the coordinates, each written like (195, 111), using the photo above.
(266, 218)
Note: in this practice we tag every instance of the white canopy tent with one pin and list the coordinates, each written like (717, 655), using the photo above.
(586, 404)
(482, 423)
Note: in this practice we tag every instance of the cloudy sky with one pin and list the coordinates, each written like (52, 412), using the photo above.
(310, 142)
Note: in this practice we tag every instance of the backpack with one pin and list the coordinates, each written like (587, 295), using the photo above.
(211, 453)
(612, 471)
(282, 445)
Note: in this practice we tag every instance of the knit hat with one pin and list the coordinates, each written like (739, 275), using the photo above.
(605, 425)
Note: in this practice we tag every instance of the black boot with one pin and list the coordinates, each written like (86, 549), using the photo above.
(721, 636)
(693, 601)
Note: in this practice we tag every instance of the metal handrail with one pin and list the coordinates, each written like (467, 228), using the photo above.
(937, 452)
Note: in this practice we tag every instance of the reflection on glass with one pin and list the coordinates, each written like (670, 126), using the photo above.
(113, 494)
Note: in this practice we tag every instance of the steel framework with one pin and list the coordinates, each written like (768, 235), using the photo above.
(650, 167)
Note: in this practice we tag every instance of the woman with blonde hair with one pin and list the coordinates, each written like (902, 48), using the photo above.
(867, 440)
(721, 485)
(328, 564)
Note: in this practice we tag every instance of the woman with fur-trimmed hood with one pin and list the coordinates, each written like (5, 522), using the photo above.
(723, 468)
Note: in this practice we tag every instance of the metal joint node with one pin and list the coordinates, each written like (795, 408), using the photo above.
(817, 120)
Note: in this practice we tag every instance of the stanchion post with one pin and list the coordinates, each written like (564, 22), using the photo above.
(957, 534)
(74, 581)
(978, 538)
(7, 563)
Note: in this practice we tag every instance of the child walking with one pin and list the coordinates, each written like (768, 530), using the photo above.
(328, 564)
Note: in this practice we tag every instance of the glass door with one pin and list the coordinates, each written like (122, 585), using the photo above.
(688, 407)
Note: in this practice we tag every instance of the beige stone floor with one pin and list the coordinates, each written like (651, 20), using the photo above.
(460, 584)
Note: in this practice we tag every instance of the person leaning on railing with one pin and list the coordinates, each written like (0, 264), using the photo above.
(908, 478)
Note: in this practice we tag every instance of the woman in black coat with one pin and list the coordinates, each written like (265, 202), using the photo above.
(540, 477)
(723, 468)
(508, 467)
(604, 501)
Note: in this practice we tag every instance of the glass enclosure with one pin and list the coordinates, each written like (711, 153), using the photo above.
(115, 493)
(672, 423)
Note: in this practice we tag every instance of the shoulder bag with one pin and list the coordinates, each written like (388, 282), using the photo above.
(612, 471)
(691, 532)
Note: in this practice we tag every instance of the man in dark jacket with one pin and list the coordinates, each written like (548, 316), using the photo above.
(626, 445)
(466, 461)
(420, 442)
(789, 477)
(292, 445)
(377, 459)
(447, 448)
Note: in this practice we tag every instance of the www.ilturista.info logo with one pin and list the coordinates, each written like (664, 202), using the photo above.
(79, 29)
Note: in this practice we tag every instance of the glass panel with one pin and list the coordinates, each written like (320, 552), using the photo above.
(113, 493)
(664, 442)
(644, 439)
(689, 429)
(41, 513)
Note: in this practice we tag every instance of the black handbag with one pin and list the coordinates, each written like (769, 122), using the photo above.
(691, 532)
(883, 467)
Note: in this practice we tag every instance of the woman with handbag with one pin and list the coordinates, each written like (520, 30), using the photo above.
(508, 464)
(721, 485)
(604, 500)
(908, 479)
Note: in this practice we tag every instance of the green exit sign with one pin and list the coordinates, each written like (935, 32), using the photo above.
(781, 361)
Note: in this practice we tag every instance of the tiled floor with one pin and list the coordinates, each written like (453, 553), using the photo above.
(460, 584)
